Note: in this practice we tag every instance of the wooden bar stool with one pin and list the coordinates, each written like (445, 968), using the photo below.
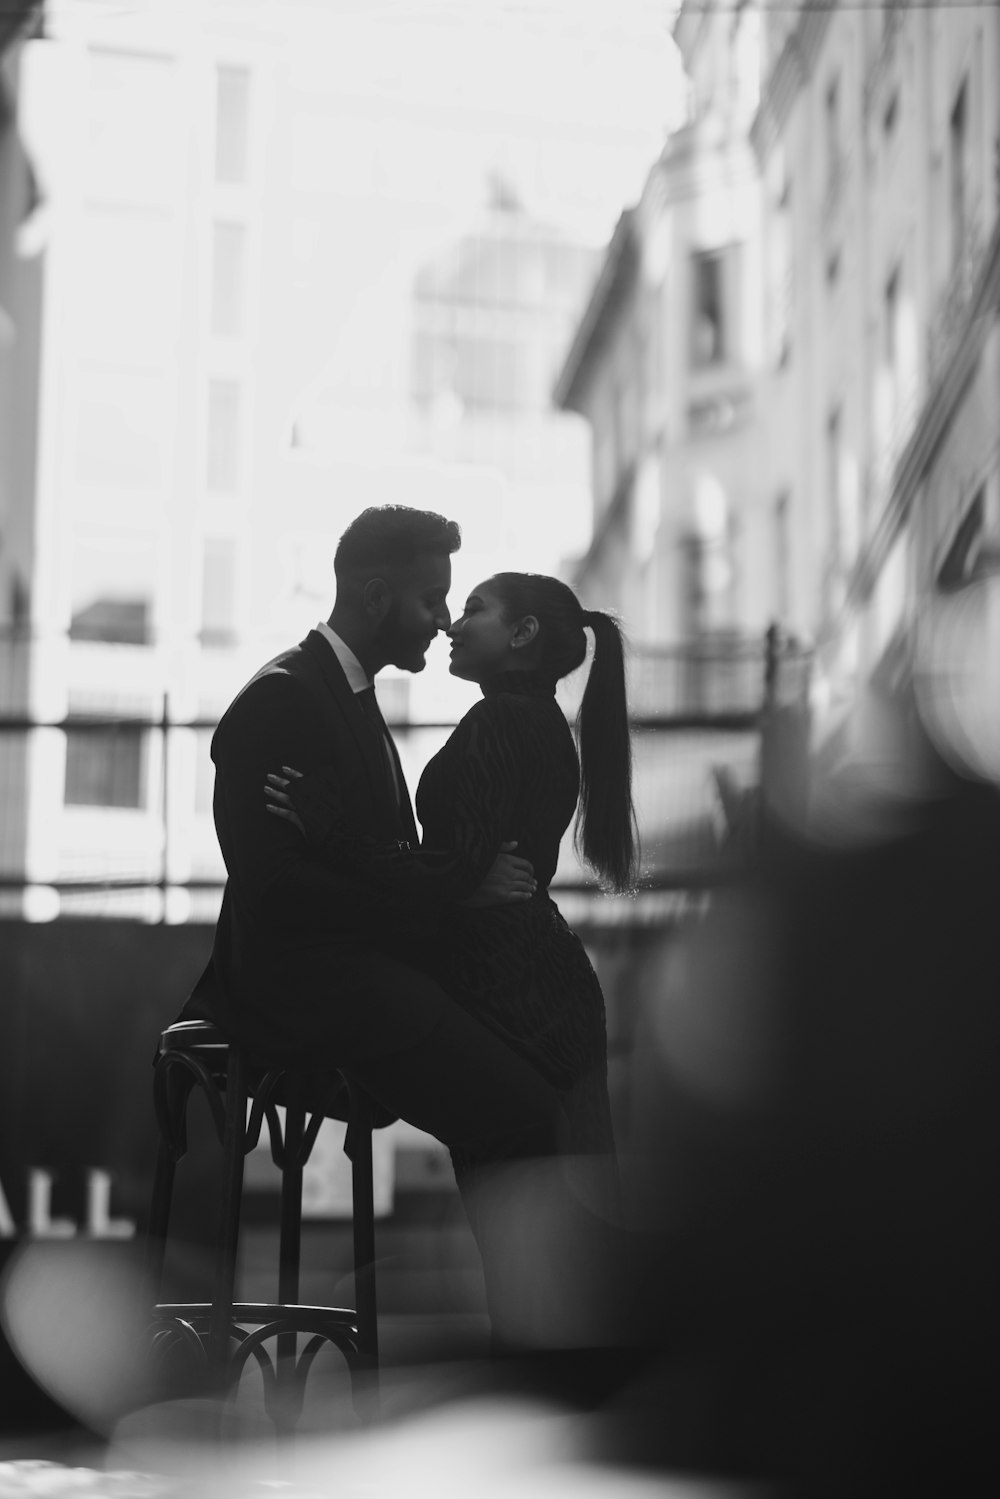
(223, 1334)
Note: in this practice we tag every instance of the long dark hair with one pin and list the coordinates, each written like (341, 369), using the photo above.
(606, 831)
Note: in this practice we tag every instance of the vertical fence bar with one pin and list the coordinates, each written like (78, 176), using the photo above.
(165, 803)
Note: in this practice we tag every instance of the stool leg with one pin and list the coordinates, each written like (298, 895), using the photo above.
(289, 1251)
(364, 1226)
(158, 1221)
(171, 1090)
(290, 1242)
(233, 1156)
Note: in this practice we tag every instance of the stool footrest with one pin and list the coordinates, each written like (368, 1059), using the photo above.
(214, 1341)
(298, 1318)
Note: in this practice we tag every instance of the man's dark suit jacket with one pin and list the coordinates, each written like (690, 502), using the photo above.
(300, 946)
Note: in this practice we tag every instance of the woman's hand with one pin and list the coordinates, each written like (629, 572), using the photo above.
(277, 799)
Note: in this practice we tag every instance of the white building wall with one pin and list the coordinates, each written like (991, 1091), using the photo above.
(856, 140)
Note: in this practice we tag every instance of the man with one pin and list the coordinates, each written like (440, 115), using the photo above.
(309, 960)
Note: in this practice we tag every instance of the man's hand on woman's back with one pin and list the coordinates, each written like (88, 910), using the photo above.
(508, 879)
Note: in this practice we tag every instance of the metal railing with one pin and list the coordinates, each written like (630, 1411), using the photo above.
(698, 711)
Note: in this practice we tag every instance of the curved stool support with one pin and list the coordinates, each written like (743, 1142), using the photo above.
(195, 1054)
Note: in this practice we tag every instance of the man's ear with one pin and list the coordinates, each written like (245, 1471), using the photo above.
(376, 599)
(525, 631)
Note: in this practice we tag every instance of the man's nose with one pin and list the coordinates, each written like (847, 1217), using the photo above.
(442, 618)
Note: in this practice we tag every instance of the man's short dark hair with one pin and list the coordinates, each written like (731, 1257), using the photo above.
(393, 536)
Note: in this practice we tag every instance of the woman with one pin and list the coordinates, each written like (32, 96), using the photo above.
(510, 771)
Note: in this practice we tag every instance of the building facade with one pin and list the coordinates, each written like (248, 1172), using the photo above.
(258, 313)
(878, 136)
(666, 367)
(21, 210)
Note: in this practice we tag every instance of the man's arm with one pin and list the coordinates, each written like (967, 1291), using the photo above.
(271, 870)
(411, 877)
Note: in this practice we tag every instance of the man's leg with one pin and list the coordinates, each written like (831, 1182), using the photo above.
(463, 1085)
(424, 1058)
(550, 1264)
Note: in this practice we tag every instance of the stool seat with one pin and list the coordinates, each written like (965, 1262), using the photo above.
(223, 1334)
(184, 1034)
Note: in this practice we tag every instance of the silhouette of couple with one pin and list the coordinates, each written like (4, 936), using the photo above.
(437, 971)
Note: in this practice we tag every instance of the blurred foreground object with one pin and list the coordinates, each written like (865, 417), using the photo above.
(958, 673)
(818, 1149)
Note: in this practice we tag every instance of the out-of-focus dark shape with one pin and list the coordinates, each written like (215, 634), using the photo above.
(958, 676)
(818, 1141)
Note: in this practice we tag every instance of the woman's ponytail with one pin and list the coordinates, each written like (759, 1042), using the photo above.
(606, 832)
(606, 829)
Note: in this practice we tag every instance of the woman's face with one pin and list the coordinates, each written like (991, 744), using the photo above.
(480, 639)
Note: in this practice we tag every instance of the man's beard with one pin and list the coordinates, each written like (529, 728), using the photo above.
(398, 646)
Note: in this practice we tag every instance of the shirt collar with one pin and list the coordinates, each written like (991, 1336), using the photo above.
(357, 679)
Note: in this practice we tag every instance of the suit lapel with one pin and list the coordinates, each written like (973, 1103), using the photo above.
(320, 655)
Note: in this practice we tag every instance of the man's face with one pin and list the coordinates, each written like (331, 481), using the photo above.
(417, 611)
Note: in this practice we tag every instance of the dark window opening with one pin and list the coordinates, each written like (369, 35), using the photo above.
(708, 330)
(119, 621)
(104, 767)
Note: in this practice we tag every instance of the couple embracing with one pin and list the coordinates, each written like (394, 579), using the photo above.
(437, 971)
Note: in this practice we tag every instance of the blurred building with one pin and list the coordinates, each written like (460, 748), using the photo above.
(255, 313)
(22, 208)
(482, 324)
(666, 367)
(878, 135)
(150, 140)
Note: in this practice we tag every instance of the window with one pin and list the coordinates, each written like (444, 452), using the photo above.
(890, 320)
(218, 591)
(832, 133)
(104, 767)
(781, 273)
(894, 351)
(222, 448)
(957, 169)
(708, 332)
(833, 494)
(113, 585)
(123, 621)
(782, 556)
(889, 118)
(232, 125)
(228, 286)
